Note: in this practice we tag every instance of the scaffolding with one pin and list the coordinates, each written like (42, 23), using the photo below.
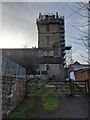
(69, 59)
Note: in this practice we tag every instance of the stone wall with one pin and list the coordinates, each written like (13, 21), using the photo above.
(0, 84)
(13, 92)
(88, 34)
(50, 70)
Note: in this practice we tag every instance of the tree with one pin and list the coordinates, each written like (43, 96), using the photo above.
(85, 38)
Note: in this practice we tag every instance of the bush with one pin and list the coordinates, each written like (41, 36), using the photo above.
(21, 111)
(50, 100)
(35, 89)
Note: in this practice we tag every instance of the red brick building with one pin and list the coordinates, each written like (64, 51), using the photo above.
(81, 71)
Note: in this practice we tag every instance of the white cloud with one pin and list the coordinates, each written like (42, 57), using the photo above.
(11, 40)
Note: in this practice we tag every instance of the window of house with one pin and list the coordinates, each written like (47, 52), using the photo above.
(48, 53)
(37, 72)
(45, 53)
(44, 72)
(40, 53)
(51, 53)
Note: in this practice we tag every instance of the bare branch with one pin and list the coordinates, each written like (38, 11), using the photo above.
(77, 28)
(84, 39)
(81, 8)
(85, 59)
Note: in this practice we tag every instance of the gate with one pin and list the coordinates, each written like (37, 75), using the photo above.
(65, 87)
(71, 87)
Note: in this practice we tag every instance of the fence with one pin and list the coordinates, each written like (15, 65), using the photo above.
(72, 87)
(67, 87)
(10, 68)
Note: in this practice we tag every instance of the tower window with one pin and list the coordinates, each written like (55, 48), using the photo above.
(47, 28)
(47, 41)
(47, 67)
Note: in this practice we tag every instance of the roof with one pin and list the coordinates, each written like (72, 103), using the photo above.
(77, 66)
(29, 57)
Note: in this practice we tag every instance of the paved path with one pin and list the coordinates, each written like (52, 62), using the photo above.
(71, 107)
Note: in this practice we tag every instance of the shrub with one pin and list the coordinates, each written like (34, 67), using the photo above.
(35, 89)
(50, 100)
(21, 111)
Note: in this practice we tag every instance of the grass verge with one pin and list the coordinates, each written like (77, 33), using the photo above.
(25, 107)
(50, 100)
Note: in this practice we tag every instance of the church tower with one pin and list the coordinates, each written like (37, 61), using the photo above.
(51, 39)
(50, 30)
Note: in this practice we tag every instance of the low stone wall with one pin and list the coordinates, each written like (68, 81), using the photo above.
(13, 91)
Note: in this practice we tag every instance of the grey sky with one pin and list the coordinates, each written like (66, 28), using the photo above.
(44, 0)
(19, 23)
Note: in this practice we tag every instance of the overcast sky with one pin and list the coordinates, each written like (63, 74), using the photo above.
(19, 24)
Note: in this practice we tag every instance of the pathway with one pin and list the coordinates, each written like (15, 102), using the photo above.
(71, 107)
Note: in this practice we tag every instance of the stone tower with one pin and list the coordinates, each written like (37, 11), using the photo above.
(50, 30)
(51, 40)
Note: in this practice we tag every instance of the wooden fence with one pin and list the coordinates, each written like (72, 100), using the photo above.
(72, 87)
(67, 87)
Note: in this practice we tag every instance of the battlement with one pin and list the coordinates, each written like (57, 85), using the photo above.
(50, 17)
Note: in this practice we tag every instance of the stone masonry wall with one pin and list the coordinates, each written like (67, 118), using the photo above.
(13, 92)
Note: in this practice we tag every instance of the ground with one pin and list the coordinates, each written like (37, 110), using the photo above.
(71, 107)
(75, 106)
